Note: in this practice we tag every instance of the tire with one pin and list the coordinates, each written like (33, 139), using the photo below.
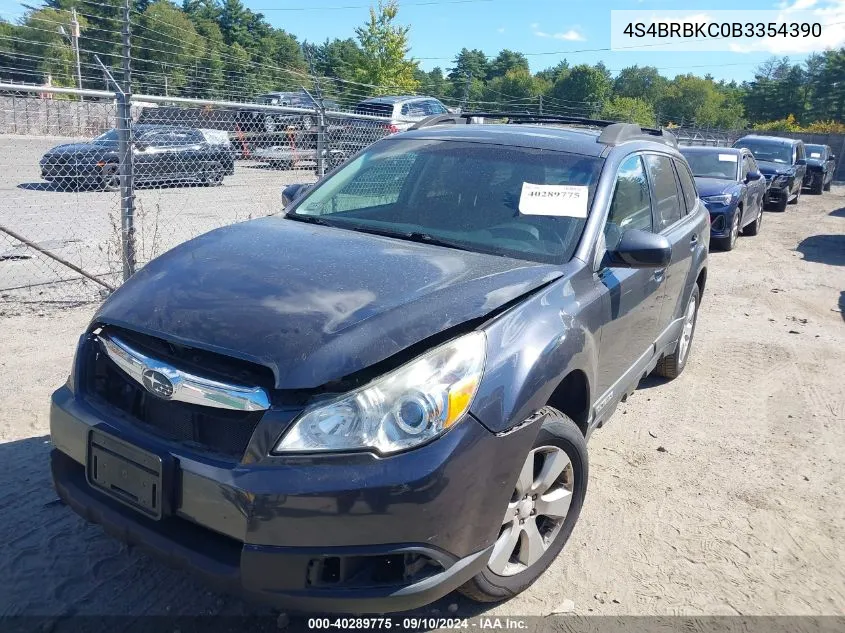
(827, 186)
(110, 177)
(561, 438)
(213, 175)
(307, 122)
(728, 243)
(671, 366)
(797, 197)
(269, 123)
(754, 228)
(779, 206)
(818, 185)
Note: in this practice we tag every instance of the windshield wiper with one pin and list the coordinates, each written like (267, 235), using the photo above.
(412, 236)
(309, 219)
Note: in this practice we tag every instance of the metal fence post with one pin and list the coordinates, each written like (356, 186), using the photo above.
(127, 172)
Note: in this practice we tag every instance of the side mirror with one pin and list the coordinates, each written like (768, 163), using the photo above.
(292, 192)
(751, 176)
(641, 249)
(801, 161)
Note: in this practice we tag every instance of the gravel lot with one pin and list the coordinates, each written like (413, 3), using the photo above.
(718, 493)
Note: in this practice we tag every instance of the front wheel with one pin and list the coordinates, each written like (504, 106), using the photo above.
(671, 366)
(827, 185)
(110, 177)
(541, 513)
(728, 243)
(754, 227)
(797, 196)
(818, 185)
(213, 175)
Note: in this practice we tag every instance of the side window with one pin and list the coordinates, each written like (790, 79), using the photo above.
(434, 107)
(631, 204)
(406, 109)
(746, 166)
(667, 201)
(687, 185)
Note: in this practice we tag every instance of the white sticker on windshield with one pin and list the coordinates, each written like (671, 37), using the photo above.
(815, 155)
(727, 158)
(568, 201)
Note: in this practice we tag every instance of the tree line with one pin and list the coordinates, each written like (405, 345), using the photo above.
(221, 49)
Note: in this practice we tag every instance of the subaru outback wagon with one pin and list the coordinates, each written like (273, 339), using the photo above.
(385, 395)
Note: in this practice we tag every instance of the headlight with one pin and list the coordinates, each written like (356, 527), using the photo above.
(782, 179)
(724, 198)
(404, 408)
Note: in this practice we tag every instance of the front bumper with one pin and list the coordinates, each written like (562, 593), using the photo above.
(721, 219)
(777, 193)
(344, 533)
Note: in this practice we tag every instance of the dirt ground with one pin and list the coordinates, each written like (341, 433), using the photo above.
(719, 493)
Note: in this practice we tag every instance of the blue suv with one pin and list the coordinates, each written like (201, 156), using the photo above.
(385, 394)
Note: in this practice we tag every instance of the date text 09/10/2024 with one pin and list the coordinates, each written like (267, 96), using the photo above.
(417, 623)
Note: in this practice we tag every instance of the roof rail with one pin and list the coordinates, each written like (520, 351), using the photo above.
(613, 133)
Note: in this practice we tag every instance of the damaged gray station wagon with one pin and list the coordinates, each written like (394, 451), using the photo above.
(385, 395)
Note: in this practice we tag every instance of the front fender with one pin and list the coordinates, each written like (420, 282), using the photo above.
(533, 346)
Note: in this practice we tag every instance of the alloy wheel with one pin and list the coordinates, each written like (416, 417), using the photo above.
(111, 177)
(536, 511)
(735, 229)
(689, 326)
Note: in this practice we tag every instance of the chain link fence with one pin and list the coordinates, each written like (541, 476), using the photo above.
(73, 226)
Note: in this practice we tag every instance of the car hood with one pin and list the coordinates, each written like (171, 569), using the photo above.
(73, 148)
(713, 186)
(313, 303)
(816, 163)
(770, 168)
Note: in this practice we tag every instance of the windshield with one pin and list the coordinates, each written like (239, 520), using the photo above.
(815, 151)
(713, 164)
(467, 195)
(106, 137)
(768, 150)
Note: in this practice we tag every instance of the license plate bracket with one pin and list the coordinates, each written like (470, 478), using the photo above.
(137, 478)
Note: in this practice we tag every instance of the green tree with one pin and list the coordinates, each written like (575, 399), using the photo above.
(640, 82)
(516, 90)
(174, 56)
(385, 46)
(584, 89)
(506, 61)
(629, 109)
(553, 73)
(468, 63)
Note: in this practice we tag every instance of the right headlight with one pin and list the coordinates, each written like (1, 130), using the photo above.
(781, 179)
(402, 409)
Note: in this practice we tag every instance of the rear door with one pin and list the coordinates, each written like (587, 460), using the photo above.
(635, 294)
(756, 188)
(679, 224)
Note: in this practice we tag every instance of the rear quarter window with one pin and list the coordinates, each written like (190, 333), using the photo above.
(687, 184)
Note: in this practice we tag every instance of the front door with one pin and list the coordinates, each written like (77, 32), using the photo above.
(635, 295)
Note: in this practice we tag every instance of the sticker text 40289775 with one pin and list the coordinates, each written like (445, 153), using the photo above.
(568, 201)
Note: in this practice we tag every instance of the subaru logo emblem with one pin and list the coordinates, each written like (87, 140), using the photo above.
(158, 384)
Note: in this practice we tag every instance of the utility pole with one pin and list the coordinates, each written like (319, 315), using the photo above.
(73, 38)
(541, 104)
(466, 91)
(74, 35)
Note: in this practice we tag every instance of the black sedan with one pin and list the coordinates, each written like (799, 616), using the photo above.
(161, 153)
(821, 165)
(732, 188)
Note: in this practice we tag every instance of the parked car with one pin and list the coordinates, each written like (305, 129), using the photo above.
(783, 162)
(732, 188)
(821, 166)
(221, 139)
(397, 113)
(161, 153)
(386, 394)
(251, 119)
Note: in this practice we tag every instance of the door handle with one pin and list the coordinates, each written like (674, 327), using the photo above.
(693, 240)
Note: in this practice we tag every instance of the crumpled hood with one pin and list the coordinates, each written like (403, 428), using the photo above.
(713, 186)
(769, 167)
(313, 303)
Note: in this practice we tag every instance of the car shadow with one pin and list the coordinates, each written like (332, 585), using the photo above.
(838, 213)
(824, 249)
(842, 304)
(63, 573)
(45, 186)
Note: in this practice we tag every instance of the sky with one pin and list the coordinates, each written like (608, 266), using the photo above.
(547, 31)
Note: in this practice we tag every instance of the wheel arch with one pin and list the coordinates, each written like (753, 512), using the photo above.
(572, 398)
